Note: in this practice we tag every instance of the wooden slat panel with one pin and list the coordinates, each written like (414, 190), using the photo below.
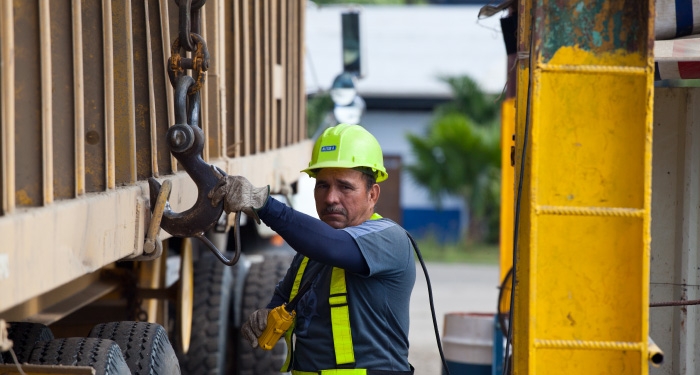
(28, 104)
(63, 97)
(275, 60)
(141, 91)
(124, 105)
(154, 56)
(78, 97)
(213, 120)
(284, 44)
(257, 73)
(173, 20)
(94, 115)
(161, 97)
(166, 162)
(3, 112)
(266, 62)
(46, 102)
(7, 109)
(108, 40)
(238, 61)
(292, 76)
(220, 71)
(204, 95)
(247, 118)
(301, 87)
(231, 72)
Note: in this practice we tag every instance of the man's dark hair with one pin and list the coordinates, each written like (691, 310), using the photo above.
(369, 175)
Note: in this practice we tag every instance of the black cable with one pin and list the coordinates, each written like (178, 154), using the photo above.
(432, 305)
(516, 222)
(501, 314)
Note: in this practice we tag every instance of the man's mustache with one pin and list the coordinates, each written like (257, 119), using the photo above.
(335, 210)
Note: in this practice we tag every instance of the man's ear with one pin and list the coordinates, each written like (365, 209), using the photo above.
(374, 194)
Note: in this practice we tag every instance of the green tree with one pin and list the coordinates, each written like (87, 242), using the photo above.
(460, 155)
(318, 108)
(469, 100)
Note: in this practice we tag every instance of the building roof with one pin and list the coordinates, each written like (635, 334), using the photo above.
(407, 48)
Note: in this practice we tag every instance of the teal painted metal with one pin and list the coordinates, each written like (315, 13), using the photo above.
(579, 24)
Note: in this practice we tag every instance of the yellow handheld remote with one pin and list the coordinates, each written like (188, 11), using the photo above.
(278, 322)
(280, 319)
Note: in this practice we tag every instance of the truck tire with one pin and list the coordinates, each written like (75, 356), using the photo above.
(145, 346)
(104, 356)
(258, 289)
(24, 335)
(211, 344)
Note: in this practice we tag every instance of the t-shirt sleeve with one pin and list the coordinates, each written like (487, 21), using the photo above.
(384, 245)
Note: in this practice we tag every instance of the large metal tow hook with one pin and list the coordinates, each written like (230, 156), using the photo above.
(186, 142)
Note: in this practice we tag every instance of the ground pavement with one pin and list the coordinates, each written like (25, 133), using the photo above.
(457, 287)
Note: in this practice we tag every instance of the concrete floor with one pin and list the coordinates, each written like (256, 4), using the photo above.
(456, 288)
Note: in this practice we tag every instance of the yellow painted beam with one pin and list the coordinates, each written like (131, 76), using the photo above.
(585, 123)
(507, 186)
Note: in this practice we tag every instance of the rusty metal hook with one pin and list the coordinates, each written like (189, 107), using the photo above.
(186, 141)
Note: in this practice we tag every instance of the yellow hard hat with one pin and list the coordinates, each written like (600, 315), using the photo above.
(347, 146)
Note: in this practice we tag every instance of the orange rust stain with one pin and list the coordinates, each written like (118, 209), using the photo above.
(23, 198)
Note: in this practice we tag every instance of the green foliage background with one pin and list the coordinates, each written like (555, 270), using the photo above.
(460, 154)
(318, 108)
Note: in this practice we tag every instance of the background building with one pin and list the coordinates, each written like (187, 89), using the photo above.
(405, 50)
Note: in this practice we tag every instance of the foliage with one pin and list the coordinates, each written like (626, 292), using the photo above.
(469, 100)
(432, 250)
(460, 155)
(318, 107)
(454, 155)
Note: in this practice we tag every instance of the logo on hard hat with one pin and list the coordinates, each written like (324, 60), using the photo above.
(328, 148)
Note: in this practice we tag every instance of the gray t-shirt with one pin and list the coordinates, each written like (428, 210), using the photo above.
(378, 303)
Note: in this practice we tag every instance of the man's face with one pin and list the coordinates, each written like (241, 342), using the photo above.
(342, 198)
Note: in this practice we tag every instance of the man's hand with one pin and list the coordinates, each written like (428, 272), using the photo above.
(254, 327)
(238, 195)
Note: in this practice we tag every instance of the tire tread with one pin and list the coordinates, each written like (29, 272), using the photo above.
(24, 335)
(145, 346)
(259, 286)
(103, 355)
(211, 318)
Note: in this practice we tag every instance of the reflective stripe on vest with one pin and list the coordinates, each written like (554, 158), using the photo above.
(353, 371)
(290, 331)
(340, 319)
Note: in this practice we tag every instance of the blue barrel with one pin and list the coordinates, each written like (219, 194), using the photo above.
(499, 345)
(468, 343)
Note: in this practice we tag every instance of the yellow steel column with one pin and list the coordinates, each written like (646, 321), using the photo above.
(507, 185)
(584, 112)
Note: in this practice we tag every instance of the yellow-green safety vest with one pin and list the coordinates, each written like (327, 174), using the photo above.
(340, 323)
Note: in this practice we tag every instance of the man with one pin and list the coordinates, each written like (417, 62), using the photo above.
(355, 315)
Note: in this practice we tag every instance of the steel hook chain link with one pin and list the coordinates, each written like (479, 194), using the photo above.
(199, 63)
(190, 40)
(189, 20)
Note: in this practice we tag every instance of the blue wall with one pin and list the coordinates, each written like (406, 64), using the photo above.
(442, 224)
